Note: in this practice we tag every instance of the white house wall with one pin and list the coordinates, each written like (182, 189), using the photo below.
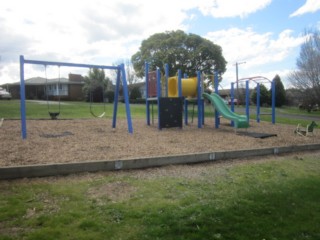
(54, 90)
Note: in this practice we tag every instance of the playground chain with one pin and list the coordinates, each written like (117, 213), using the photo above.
(66, 141)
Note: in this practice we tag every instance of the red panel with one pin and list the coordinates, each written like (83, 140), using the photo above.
(152, 84)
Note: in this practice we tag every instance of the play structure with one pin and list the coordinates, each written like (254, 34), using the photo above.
(121, 76)
(179, 92)
(257, 80)
(239, 121)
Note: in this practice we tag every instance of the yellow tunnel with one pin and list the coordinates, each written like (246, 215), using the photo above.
(189, 87)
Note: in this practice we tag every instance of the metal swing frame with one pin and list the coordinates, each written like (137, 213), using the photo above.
(121, 77)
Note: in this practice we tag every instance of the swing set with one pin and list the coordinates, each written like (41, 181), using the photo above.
(121, 76)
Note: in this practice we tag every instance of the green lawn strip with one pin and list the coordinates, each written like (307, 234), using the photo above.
(283, 120)
(295, 110)
(276, 199)
(74, 110)
(35, 110)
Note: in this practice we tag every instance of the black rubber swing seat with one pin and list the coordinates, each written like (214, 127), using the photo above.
(54, 115)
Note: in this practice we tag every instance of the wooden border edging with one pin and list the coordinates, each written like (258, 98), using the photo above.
(46, 170)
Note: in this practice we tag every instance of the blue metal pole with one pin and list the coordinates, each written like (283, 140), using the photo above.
(158, 83)
(202, 105)
(147, 93)
(273, 88)
(64, 64)
(22, 100)
(186, 111)
(216, 90)
(126, 98)
(116, 99)
(199, 96)
(258, 102)
(158, 95)
(247, 100)
(232, 100)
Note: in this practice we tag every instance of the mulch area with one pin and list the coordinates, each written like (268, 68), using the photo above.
(82, 140)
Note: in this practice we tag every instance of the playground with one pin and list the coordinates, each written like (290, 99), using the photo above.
(66, 141)
(171, 132)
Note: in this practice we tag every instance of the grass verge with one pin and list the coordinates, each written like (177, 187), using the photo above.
(70, 110)
(274, 199)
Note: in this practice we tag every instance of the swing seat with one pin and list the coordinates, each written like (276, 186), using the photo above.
(54, 115)
(97, 116)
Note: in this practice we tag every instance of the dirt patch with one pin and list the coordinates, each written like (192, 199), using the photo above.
(92, 140)
(115, 192)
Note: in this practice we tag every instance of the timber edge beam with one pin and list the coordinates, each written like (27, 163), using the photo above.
(31, 171)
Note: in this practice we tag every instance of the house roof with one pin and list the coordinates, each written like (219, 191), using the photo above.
(43, 81)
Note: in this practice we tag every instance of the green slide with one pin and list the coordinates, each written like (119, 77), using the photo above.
(240, 121)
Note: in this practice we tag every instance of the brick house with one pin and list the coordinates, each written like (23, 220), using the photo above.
(69, 89)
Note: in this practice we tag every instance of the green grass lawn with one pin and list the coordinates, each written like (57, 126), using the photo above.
(69, 110)
(34, 110)
(274, 199)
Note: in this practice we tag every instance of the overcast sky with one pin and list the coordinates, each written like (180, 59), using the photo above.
(265, 34)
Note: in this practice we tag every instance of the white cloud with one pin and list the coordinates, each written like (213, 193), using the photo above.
(103, 32)
(256, 49)
(231, 8)
(310, 6)
(86, 31)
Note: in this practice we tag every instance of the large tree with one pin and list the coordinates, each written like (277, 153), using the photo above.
(95, 85)
(307, 76)
(187, 52)
(280, 91)
(264, 95)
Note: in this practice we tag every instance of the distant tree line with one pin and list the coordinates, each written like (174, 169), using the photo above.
(190, 52)
(306, 78)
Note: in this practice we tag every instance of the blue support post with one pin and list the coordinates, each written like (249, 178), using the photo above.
(216, 90)
(126, 98)
(186, 103)
(258, 102)
(247, 101)
(232, 100)
(116, 99)
(158, 95)
(22, 100)
(273, 88)
(158, 83)
(199, 96)
(202, 104)
(147, 92)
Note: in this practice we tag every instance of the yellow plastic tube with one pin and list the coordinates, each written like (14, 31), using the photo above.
(189, 87)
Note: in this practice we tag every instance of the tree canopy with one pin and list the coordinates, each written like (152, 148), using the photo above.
(264, 95)
(307, 76)
(280, 91)
(96, 84)
(187, 52)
